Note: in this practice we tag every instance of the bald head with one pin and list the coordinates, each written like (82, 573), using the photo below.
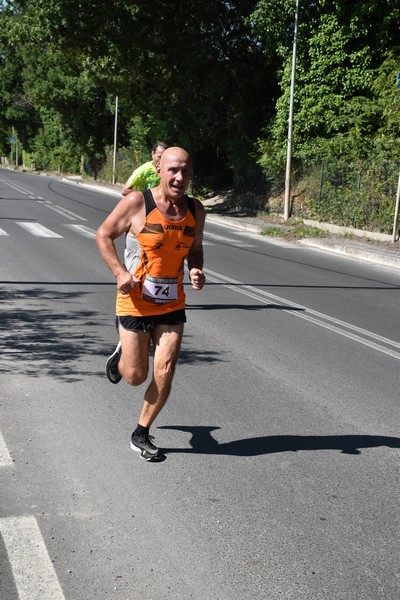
(175, 171)
(174, 153)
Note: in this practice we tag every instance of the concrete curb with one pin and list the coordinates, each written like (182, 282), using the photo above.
(372, 235)
(365, 254)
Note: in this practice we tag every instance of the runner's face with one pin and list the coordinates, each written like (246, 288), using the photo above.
(156, 156)
(175, 172)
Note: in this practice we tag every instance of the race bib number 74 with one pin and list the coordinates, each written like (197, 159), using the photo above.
(159, 290)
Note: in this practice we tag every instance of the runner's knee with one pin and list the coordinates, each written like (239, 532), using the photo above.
(132, 375)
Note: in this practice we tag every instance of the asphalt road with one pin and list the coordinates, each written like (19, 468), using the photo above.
(281, 435)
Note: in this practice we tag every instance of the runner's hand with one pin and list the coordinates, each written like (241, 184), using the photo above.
(126, 282)
(198, 278)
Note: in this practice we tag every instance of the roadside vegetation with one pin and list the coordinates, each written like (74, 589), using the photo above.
(215, 80)
(297, 230)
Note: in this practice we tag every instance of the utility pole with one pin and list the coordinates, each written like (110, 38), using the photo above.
(290, 126)
(396, 212)
(16, 149)
(12, 139)
(115, 139)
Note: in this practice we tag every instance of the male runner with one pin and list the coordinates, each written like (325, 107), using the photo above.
(146, 175)
(167, 227)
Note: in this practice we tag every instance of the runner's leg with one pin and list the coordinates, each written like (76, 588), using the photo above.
(167, 342)
(134, 361)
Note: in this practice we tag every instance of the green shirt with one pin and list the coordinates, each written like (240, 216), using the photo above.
(144, 177)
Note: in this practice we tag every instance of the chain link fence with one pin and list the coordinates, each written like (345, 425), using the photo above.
(360, 195)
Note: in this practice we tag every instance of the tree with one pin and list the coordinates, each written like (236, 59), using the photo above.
(200, 77)
(341, 51)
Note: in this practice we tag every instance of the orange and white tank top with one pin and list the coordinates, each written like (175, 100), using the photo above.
(156, 256)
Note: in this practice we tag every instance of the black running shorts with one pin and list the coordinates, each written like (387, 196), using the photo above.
(147, 324)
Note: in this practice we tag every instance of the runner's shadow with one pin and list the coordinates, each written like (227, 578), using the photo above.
(202, 442)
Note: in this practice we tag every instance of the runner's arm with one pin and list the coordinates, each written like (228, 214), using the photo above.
(118, 222)
(195, 258)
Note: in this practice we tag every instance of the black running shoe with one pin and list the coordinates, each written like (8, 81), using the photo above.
(144, 445)
(112, 372)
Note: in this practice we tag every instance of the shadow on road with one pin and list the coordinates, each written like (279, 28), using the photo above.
(226, 307)
(48, 332)
(202, 442)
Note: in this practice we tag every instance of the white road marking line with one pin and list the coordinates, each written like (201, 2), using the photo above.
(83, 230)
(63, 211)
(313, 316)
(5, 457)
(221, 238)
(255, 235)
(16, 187)
(38, 230)
(266, 238)
(2, 232)
(34, 574)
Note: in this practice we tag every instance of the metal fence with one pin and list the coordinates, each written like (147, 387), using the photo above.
(360, 195)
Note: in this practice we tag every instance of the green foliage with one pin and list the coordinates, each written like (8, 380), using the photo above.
(193, 79)
(302, 230)
(215, 80)
(52, 148)
(28, 160)
(272, 160)
(346, 107)
(299, 230)
(342, 80)
(274, 232)
(360, 195)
